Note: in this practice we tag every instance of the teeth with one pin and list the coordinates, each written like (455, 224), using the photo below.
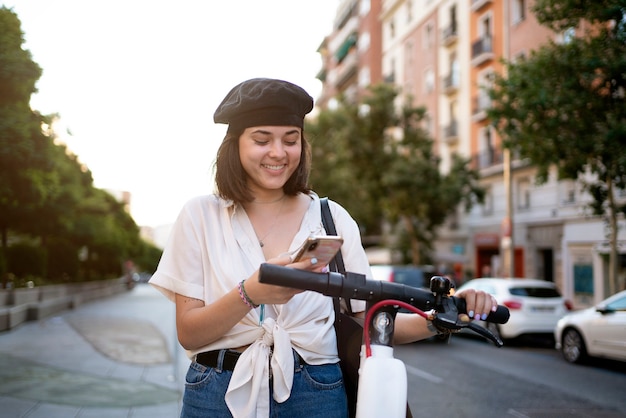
(274, 167)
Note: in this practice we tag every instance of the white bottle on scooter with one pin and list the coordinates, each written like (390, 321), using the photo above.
(382, 385)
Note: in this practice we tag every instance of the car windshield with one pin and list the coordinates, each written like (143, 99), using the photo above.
(535, 292)
(409, 276)
(618, 305)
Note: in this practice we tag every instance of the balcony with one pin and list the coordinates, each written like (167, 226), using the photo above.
(479, 107)
(487, 158)
(479, 4)
(449, 35)
(346, 47)
(450, 83)
(351, 27)
(482, 50)
(451, 133)
(346, 69)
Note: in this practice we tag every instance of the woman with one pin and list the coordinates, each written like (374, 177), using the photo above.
(258, 349)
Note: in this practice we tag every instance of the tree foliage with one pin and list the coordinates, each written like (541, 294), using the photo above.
(564, 105)
(382, 167)
(49, 209)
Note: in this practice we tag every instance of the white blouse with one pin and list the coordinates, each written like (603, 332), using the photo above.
(211, 248)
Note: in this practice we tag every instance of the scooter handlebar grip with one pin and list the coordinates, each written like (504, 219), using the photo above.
(500, 316)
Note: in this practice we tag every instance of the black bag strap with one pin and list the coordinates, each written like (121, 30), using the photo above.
(336, 263)
(329, 225)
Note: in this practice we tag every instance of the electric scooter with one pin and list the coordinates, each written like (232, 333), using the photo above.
(382, 388)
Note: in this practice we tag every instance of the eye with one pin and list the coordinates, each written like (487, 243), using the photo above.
(292, 138)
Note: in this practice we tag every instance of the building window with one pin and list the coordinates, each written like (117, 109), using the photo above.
(518, 11)
(429, 34)
(364, 41)
(455, 70)
(484, 27)
(485, 82)
(452, 11)
(488, 203)
(523, 194)
(365, 7)
(487, 148)
(364, 77)
(429, 81)
(567, 191)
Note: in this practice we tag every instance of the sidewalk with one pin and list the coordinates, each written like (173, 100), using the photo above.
(115, 357)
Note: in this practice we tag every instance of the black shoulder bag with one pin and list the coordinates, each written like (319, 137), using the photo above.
(349, 329)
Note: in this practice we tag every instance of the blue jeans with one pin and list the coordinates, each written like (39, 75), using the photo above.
(317, 392)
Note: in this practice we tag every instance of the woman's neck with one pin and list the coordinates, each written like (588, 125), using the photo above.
(269, 199)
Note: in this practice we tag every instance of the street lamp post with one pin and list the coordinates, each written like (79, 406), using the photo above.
(507, 244)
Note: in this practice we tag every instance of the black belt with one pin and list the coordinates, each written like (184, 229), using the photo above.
(211, 358)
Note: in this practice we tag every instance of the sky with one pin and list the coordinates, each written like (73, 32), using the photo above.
(136, 82)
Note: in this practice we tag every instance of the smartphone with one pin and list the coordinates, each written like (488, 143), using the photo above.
(322, 247)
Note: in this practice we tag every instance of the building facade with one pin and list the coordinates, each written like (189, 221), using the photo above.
(442, 53)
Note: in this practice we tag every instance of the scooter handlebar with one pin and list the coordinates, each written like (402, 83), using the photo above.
(356, 286)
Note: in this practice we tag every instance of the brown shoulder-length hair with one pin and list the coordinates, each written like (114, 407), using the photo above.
(231, 178)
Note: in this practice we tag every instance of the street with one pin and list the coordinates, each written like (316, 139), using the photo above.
(472, 378)
(118, 357)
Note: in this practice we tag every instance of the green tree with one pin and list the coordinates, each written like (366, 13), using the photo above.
(22, 182)
(381, 176)
(564, 105)
(48, 205)
(348, 153)
(418, 194)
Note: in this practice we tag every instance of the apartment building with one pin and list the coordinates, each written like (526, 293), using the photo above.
(442, 53)
(351, 54)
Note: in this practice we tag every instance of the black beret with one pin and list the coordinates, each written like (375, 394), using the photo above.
(264, 101)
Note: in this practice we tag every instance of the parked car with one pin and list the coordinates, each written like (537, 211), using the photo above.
(535, 305)
(405, 274)
(599, 331)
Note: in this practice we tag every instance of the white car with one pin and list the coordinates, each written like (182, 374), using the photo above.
(535, 305)
(599, 331)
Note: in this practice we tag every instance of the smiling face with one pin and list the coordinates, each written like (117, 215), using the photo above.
(269, 155)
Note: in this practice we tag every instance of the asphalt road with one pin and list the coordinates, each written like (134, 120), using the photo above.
(472, 378)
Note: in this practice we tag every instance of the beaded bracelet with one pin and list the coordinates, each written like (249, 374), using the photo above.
(244, 296)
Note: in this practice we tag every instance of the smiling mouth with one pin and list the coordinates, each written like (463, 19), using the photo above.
(274, 167)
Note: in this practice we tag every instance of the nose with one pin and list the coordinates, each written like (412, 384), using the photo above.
(277, 149)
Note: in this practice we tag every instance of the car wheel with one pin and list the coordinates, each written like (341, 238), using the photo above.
(573, 346)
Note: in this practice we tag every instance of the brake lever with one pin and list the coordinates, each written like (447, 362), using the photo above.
(447, 316)
(486, 333)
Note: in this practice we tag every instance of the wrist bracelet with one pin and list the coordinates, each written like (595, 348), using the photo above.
(244, 296)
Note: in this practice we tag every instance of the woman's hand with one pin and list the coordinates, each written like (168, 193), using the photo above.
(260, 293)
(478, 303)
